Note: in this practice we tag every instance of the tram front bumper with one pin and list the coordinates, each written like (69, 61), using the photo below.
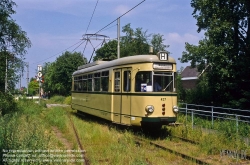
(158, 120)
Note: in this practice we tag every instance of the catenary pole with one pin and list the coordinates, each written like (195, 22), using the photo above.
(118, 37)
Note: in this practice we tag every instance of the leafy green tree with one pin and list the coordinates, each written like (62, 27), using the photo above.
(33, 86)
(133, 43)
(58, 76)
(225, 50)
(13, 44)
(108, 51)
(157, 43)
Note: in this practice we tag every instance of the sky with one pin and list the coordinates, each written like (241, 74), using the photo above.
(54, 26)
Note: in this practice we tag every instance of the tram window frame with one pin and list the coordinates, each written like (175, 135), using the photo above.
(97, 81)
(166, 80)
(75, 83)
(104, 81)
(175, 81)
(84, 83)
(127, 81)
(90, 83)
(143, 77)
(80, 83)
(77, 86)
(117, 79)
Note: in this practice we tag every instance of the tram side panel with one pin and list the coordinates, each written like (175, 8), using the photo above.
(92, 103)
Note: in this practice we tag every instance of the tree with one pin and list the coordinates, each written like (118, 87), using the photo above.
(157, 43)
(13, 43)
(58, 76)
(108, 51)
(225, 50)
(33, 86)
(134, 42)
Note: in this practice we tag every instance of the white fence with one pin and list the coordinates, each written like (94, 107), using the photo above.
(212, 113)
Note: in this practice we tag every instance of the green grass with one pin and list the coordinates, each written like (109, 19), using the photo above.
(107, 145)
(56, 116)
(56, 99)
(26, 129)
(30, 128)
(223, 136)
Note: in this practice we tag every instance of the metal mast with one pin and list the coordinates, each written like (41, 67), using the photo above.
(27, 64)
(118, 37)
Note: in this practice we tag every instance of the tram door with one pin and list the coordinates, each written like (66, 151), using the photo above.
(121, 97)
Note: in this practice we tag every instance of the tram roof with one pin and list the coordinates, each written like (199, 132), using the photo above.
(98, 65)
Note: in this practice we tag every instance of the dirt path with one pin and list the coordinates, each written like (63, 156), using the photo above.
(64, 141)
(56, 105)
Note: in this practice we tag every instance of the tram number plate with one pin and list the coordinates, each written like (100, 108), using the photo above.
(163, 99)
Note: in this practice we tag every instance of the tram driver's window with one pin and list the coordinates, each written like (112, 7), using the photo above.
(127, 81)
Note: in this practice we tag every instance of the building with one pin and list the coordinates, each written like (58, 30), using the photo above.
(189, 77)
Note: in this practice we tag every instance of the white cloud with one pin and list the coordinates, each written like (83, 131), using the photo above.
(121, 9)
(177, 43)
(180, 39)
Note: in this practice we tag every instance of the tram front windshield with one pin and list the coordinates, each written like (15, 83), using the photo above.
(149, 81)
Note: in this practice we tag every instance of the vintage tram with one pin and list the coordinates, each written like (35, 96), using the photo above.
(137, 90)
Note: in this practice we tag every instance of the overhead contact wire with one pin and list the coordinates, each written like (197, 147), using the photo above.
(95, 33)
(92, 16)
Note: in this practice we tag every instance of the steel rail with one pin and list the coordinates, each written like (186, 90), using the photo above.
(184, 156)
(86, 162)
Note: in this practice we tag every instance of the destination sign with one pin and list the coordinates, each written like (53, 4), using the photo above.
(163, 66)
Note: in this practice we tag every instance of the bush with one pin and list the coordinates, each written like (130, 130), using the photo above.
(57, 99)
(67, 100)
(8, 104)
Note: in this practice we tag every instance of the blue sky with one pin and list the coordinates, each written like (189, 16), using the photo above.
(55, 25)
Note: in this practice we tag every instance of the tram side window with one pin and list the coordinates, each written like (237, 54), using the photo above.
(117, 82)
(143, 81)
(80, 83)
(84, 82)
(75, 83)
(127, 81)
(90, 82)
(97, 82)
(105, 81)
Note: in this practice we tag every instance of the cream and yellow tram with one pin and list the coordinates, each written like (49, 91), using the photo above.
(136, 90)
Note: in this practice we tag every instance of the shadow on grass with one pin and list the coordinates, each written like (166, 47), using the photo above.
(158, 133)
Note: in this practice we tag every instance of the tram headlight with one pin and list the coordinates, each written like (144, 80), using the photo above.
(149, 109)
(175, 109)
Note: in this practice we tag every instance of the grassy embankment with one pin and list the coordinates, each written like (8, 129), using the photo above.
(31, 128)
(26, 127)
(223, 136)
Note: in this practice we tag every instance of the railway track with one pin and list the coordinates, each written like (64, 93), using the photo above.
(85, 161)
(173, 150)
(170, 150)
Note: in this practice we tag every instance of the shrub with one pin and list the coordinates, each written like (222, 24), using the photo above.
(67, 100)
(8, 104)
(57, 99)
